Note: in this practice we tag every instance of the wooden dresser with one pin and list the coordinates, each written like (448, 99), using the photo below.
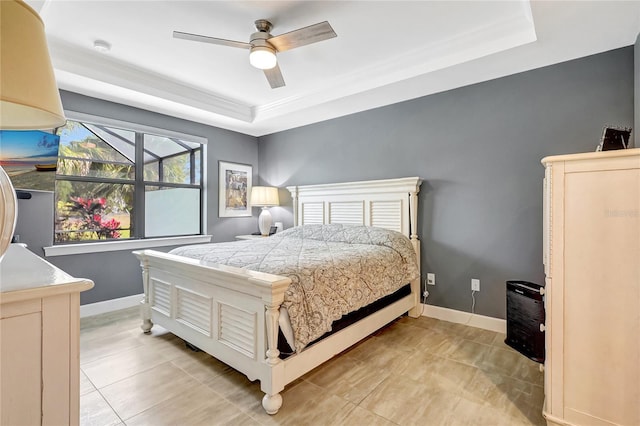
(592, 267)
(39, 341)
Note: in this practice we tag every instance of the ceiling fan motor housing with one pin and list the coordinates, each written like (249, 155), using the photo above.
(260, 39)
(263, 25)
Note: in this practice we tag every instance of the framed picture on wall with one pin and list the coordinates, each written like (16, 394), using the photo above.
(30, 158)
(234, 190)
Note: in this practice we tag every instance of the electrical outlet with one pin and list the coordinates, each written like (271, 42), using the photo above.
(431, 279)
(475, 284)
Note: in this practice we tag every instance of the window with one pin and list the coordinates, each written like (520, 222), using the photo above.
(118, 183)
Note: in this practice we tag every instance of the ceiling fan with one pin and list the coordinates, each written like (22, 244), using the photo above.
(263, 46)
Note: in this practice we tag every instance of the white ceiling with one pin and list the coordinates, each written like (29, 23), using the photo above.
(385, 52)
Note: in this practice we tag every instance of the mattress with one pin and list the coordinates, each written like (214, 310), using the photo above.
(334, 270)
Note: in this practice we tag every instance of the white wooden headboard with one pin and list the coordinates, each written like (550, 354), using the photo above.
(388, 203)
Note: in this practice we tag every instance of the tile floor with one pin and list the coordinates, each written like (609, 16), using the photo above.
(414, 371)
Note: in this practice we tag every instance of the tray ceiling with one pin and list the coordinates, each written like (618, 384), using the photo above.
(385, 52)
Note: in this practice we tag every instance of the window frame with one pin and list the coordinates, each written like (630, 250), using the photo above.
(138, 240)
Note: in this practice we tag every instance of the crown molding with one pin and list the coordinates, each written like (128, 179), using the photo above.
(74, 60)
(75, 64)
(510, 32)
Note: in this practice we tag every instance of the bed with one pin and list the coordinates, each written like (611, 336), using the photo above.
(234, 313)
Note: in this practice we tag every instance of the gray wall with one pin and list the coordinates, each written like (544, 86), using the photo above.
(478, 149)
(117, 274)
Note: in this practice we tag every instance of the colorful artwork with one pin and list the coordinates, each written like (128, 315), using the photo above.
(235, 185)
(29, 158)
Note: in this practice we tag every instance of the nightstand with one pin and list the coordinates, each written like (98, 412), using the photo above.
(250, 237)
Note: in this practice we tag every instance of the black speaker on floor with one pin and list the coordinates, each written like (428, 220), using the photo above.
(525, 319)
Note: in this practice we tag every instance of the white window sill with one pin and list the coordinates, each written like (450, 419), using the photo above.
(104, 246)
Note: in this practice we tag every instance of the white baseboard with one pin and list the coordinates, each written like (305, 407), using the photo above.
(445, 314)
(474, 320)
(110, 305)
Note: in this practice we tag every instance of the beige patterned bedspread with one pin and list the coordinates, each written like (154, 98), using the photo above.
(334, 269)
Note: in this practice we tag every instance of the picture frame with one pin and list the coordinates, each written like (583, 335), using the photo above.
(234, 189)
(615, 138)
(30, 158)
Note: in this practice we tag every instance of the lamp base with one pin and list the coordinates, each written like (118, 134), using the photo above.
(8, 211)
(265, 221)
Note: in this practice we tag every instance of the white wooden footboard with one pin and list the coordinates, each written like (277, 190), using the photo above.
(227, 312)
(232, 313)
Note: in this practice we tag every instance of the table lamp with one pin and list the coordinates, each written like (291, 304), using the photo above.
(29, 97)
(265, 197)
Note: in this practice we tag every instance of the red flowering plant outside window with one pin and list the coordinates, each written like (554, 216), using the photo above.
(109, 180)
(89, 217)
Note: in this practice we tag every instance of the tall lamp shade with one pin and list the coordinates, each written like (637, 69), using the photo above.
(29, 97)
(264, 196)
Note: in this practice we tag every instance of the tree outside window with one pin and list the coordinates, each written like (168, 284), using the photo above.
(120, 184)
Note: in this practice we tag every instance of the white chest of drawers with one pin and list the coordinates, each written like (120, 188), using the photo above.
(592, 267)
(39, 341)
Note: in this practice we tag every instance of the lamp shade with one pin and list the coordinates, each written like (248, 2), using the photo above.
(264, 196)
(29, 97)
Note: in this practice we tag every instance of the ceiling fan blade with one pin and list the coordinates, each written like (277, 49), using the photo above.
(302, 37)
(275, 77)
(212, 40)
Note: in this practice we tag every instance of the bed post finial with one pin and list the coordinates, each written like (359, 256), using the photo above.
(272, 400)
(413, 220)
(413, 209)
(294, 196)
(145, 305)
(271, 315)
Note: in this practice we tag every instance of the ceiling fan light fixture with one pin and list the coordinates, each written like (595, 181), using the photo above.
(263, 57)
(263, 46)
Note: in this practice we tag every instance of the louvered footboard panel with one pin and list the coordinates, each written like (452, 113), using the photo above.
(160, 297)
(195, 310)
(238, 329)
(223, 322)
